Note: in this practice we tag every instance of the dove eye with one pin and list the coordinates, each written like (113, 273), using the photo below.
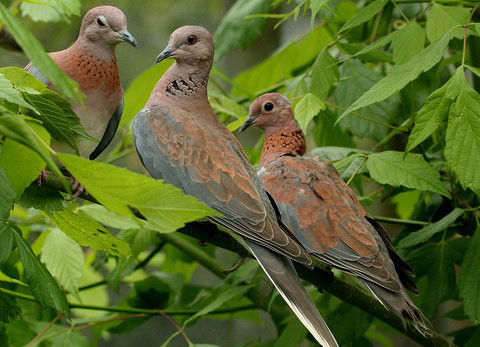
(268, 106)
(101, 23)
(192, 39)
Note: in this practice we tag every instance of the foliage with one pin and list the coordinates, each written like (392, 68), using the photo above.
(389, 92)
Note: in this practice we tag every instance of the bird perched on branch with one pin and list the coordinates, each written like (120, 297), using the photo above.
(323, 211)
(180, 139)
(91, 61)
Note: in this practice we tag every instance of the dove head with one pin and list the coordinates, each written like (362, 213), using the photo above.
(270, 112)
(189, 45)
(105, 26)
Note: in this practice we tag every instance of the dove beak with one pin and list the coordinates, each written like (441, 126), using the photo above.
(166, 53)
(248, 123)
(127, 37)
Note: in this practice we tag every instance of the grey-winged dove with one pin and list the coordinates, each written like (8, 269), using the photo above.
(179, 139)
(323, 212)
(92, 63)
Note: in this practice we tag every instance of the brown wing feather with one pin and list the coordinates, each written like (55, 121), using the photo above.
(327, 218)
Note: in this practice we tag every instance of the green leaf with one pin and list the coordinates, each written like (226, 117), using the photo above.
(282, 63)
(7, 196)
(441, 19)
(408, 42)
(139, 239)
(63, 257)
(345, 333)
(430, 230)
(87, 232)
(462, 148)
(36, 53)
(235, 31)
(140, 89)
(41, 283)
(15, 127)
(51, 10)
(229, 107)
(9, 310)
(356, 79)
(364, 14)
(385, 40)
(22, 165)
(307, 108)
(434, 111)
(165, 207)
(218, 300)
(468, 283)
(6, 239)
(42, 198)
(326, 134)
(400, 75)
(436, 260)
(22, 80)
(10, 94)
(152, 292)
(5, 278)
(108, 218)
(320, 79)
(414, 172)
(315, 6)
(293, 334)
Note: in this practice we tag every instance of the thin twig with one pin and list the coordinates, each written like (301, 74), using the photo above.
(356, 171)
(400, 10)
(48, 326)
(179, 329)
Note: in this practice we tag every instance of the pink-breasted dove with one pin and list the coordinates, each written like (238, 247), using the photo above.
(323, 212)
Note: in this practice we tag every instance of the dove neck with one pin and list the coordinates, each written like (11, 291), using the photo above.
(98, 50)
(182, 82)
(283, 143)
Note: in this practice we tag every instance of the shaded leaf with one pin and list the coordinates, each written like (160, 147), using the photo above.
(430, 230)
(414, 172)
(87, 232)
(356, 79)
(165, 207)
(108, 218)
(63, 257)
(42, 198)
(41, 283)
(10, 94)
(235, 31)
(468, 283)
(9, 310)
(6, 240)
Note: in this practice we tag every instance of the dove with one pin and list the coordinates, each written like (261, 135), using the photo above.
(92, 63)
(323, 212)
(180, 140)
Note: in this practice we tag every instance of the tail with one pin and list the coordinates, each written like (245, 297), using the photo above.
(281, 272)
(400, 304)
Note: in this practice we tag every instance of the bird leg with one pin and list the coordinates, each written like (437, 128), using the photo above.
(42, 177)
(78, 189)
(237, 266)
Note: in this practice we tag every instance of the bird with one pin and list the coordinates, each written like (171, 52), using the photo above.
(323, 211)
(92, 63)
(179, 139)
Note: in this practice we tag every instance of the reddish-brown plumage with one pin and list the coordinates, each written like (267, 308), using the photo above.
(323, 212)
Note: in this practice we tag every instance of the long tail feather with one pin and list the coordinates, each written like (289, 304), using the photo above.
(281, 272)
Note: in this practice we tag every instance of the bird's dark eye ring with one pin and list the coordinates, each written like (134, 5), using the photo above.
(192, 39)
(268, 106)
(101, 23)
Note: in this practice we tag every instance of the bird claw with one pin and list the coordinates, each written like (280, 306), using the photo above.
(202, 243)
(236, 267)
(78, 190)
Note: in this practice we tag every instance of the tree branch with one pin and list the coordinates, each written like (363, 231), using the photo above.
(322, 279)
